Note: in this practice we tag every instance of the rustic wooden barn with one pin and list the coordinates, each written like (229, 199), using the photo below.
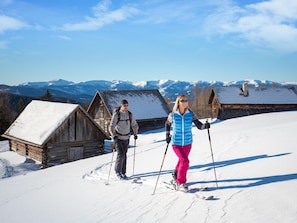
(55, 133)
(231, 102)
(148, 107)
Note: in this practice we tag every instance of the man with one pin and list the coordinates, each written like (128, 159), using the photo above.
(122, 122)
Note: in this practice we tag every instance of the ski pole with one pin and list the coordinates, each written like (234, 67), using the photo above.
(134, 156)
(214, 168)
(107, 182)
(160, 168)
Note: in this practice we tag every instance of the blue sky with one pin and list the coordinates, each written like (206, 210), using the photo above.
(189, 40)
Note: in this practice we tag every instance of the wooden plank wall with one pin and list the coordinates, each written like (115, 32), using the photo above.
(18, 147)
(33, 152)
(151, 124)
(58, 153)
(233, 111)
(77, 128)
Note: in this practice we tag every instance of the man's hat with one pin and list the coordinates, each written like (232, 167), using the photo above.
(124, 102)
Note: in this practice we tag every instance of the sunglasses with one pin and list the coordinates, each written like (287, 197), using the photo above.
(125, 105)
(183, 100)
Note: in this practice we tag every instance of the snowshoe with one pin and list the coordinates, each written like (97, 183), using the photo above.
(180, 187)
(124, 177)
(121, 176)
(174, 174)
(183, 188)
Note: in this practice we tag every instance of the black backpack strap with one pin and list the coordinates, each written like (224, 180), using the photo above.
(117, 110)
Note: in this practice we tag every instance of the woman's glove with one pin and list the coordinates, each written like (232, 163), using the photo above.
(207, 125)
(168, 138)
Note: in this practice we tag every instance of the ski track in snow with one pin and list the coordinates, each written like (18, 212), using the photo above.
(226, 201)
(98, 174)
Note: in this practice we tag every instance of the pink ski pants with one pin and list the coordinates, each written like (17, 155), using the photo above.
(183, 163)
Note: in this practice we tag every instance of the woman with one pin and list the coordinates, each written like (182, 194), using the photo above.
(181, 120)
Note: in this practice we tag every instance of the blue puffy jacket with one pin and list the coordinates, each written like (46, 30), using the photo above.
(182, 127)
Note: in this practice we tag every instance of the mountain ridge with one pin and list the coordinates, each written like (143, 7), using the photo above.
(84, 91)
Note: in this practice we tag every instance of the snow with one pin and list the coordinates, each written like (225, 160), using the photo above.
(233, 95)
(146, 107)
(255, 160)
(140, 83)
(143, 105)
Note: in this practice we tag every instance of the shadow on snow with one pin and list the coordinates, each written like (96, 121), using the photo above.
(257, 181)
(251, 182)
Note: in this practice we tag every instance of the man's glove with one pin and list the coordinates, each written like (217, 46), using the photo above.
(168, 138)
(207, 125)
(135, 137)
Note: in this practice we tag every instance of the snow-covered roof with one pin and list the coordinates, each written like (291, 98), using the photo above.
(144, 104)
(40, 119)
(234, 95)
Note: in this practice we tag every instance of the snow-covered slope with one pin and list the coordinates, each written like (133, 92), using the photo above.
(255, 159)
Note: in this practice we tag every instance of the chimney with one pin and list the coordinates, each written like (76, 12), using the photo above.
(245, 89)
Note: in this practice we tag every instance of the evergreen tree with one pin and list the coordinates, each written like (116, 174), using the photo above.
(21, 106)
(47, 96)
(6, 113)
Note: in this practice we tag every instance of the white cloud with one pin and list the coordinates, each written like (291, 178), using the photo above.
(270, 24)
(101, 16)
(286, 9)
(157, 12)
(63, 37)
(9, 23)
(101, 7)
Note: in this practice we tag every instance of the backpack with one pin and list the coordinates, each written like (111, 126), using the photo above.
(117, 110)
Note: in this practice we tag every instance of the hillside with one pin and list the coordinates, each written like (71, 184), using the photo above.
(255, 160)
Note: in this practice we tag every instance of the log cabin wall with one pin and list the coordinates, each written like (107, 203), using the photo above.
(228, 111)
(75, 135)
(151, 124)
(18, 147)
(58, 153)
(99, 112)
(34, 152)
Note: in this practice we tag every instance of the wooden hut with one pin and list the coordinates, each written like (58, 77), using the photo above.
(148, 107)
(55, 133)
(231, 102)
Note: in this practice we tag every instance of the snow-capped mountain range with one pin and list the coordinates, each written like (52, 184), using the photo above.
(84, 91)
